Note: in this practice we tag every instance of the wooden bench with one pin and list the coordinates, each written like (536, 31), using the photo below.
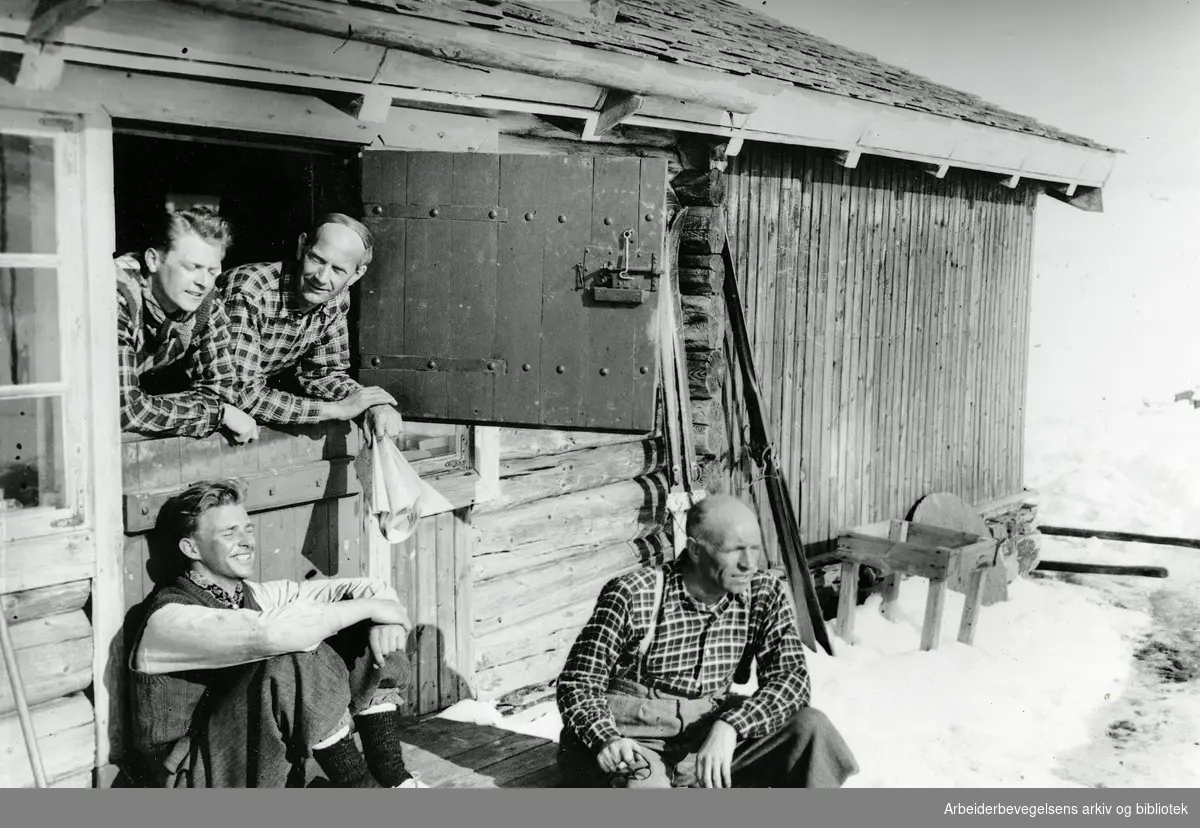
(910, 548)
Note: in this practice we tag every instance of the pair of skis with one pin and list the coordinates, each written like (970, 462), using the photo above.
(787, 527)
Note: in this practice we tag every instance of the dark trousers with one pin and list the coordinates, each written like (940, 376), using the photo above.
(257, 726)
(807, 752)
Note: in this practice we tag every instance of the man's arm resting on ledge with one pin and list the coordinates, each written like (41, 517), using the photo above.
(185, 637)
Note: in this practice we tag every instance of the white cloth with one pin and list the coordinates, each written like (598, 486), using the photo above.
(394, 492)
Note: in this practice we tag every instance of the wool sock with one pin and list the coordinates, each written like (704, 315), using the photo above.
(380, 733)
(344, 764)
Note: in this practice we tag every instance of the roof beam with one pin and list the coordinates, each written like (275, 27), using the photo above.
(36, 69)
(1088, 199)
(617, 108)
(500, 50)
(52, 16)
(849, 158)
(124, 94)
(372, 107)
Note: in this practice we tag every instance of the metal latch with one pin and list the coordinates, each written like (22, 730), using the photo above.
(612, 285)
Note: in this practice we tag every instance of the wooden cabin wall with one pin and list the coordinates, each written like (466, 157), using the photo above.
(575, 510)
(52, 638)
(888, 312)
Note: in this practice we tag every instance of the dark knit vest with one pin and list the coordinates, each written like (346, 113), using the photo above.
(165, 704)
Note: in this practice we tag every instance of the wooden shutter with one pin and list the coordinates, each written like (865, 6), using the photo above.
(480, 305)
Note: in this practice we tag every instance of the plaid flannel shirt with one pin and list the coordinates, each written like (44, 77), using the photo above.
(148, 341)
(695, 653)
(271, 335)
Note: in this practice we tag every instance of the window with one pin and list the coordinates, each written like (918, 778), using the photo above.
(39, 261)
(431, 448)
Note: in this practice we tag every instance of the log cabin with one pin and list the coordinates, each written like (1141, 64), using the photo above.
(553, 185)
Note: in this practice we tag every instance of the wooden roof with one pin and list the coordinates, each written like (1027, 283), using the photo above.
(716, 35)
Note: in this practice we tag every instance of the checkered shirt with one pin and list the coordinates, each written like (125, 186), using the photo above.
(695, 653)
(148, 340)
(271, 335)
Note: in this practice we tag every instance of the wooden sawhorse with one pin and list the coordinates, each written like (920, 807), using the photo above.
(915, 549)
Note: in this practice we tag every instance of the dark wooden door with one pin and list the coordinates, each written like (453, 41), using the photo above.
(481, 304)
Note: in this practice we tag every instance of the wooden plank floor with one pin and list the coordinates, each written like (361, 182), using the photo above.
(449, 754)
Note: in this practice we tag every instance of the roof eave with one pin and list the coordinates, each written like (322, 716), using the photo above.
(855, 127)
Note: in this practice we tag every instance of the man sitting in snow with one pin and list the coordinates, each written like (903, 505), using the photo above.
(645, 693)
(236, 682)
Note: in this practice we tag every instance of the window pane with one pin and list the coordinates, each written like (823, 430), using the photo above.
(426, 440)
(27, 214)
(31, 452)
(29, 335)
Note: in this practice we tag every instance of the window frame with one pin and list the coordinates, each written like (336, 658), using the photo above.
(461, 460)
(68, 264)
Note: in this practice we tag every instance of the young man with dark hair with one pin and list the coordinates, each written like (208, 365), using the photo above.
(176, 373)
(645, 693)
(236, 682)
(291, 341)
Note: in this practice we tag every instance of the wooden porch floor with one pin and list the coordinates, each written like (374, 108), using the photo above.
(449, 754)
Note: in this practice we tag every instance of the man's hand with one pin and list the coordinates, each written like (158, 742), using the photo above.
(385, 612)
(386, 422)
(715, 758)
(620, 756)
(386, 639)
(360, 401)
(240, 425)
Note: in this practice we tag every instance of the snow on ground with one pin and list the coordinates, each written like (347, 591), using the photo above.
(1051, 695)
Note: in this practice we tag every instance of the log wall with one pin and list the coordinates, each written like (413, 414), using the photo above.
(888, 312)
(52, 637)
(575, 510)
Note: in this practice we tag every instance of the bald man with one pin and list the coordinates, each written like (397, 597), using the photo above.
(645, 693)
(290, 335)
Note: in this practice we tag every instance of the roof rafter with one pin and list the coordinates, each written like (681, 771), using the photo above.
(52, 16)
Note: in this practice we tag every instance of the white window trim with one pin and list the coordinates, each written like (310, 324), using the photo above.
(71, 270)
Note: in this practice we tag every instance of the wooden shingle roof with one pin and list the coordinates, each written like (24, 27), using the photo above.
(712, 34)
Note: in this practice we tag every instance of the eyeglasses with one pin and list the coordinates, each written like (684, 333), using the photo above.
(639, 771)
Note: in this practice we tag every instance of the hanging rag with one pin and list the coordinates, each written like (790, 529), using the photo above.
(394, 492)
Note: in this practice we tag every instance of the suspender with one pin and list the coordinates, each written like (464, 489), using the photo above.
(648, 638)
(741, 673)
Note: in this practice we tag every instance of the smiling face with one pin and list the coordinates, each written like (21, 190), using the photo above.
(329, 265)
(223, 547)
(186, 273)
(726, 547)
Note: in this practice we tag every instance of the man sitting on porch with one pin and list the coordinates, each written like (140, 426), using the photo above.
(176, 374)
(291, 343)
(645, 693)
(235, 682)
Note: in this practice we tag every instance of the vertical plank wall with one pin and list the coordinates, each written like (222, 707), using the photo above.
(888, 314)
